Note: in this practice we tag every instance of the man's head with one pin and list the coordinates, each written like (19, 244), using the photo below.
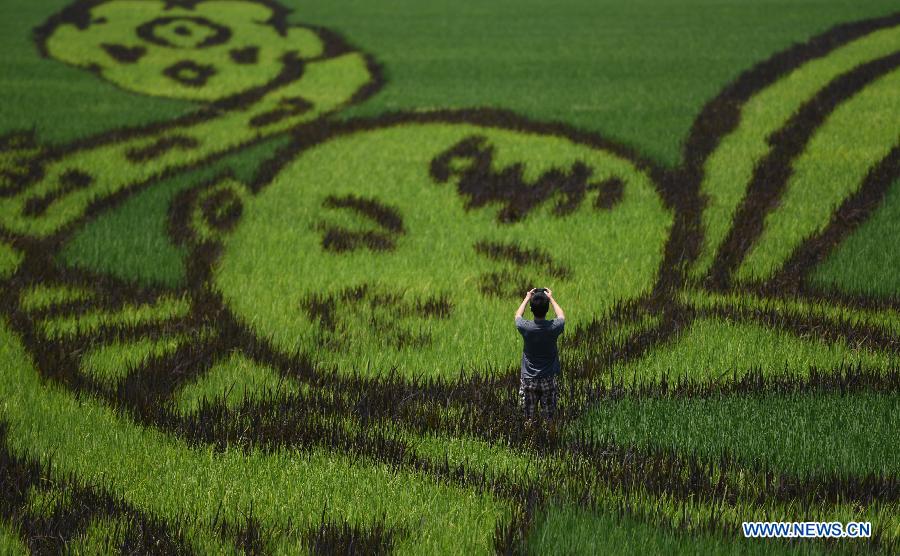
(540, 303)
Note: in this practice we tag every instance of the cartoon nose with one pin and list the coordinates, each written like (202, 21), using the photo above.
(183, 32)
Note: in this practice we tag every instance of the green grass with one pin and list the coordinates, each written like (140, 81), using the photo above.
(617, 76)
(233, 381)
(41, 93)
(90, 440)
(44, 296)
(729, 169)
(110, 166)
(635, 71)
(888, 320)
(81, 47)
(10, 259)
(867, 261)
(714, 350)
(46, 501)
(571, 530)
(109, 243)
(103, 534)
(808, 434)
(10, 542)
(853, 139)
(110, 363)
(162, 309)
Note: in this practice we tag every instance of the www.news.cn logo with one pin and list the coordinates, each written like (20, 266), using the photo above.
(807, 529)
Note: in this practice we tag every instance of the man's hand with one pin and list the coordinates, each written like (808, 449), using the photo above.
(556, 308)
(521, 310)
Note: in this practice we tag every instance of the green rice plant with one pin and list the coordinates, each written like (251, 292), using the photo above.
(719, 349)
(233, 381)
(132, 241)
(109, 364)
(313, 75)
(93, 442)
(574, 530)
(805, 434)
(730, 168)
(10, 259)
(10, 542)
(331, 367)
(864, 262)
(48, 500)
(104, 535)
(302, 272)
(836, 161)
(886, 320)
(45, 296)
(641, 80)
(130, 315)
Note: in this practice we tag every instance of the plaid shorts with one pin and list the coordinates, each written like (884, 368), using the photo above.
(539, 390)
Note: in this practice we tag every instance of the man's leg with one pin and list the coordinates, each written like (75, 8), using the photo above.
(549, 397)
(529, 399)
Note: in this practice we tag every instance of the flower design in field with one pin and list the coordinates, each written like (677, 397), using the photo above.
(197, 50)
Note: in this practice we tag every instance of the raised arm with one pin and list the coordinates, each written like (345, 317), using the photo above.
(556, 308)
(521, 310)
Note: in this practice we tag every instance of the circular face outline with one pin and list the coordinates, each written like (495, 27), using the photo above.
(225, 62)
(207, 251)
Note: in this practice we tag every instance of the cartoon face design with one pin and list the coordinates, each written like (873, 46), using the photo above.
(192, 49)
(376, 247)
(364, 248)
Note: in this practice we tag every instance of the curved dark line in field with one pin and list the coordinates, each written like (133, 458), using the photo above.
(772, 173)
(855, 210)
(816, 295)
(721, 115)
(147, 534)
(843, 379)
(617, 471)
(870, 337)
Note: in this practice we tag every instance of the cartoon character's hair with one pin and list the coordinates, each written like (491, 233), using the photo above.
(540, 304)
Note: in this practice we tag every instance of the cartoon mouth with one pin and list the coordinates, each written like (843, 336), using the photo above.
(376, 310)
(524, 263)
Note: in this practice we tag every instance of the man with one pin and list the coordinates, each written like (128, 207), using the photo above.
(540, 358)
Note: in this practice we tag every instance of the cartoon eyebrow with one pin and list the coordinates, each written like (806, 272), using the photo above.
(471, 162)
(340, 239)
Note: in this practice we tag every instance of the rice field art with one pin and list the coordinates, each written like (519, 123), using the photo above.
(258, 277)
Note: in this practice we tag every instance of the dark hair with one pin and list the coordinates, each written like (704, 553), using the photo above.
(540, 304)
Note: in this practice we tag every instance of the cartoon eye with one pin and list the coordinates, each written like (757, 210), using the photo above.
(338, 238)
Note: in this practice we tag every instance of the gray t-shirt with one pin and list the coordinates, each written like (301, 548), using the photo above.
(540, 359)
